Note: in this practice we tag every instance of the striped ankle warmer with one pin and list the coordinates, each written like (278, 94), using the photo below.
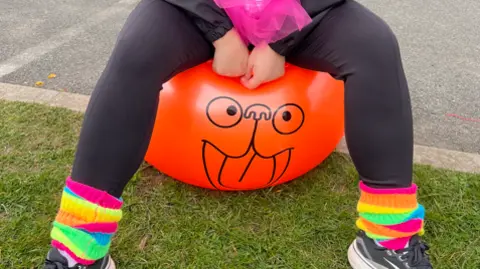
(390, 216)
(86, 222)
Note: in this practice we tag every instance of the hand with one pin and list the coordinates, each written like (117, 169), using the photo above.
(264, 65)
(231, 55)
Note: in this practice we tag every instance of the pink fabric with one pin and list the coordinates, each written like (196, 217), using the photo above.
(265, 21)
(61, 246)
(410, 190)
(395, 244)
(412, 225)
(93, 195)
(99, 227)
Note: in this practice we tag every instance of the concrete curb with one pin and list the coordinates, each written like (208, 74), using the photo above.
(72, 101)
(436, 157)
(439, 158)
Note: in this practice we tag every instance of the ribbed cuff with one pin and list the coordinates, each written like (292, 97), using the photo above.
(82, 244)
(101, 198)
(391, 216)
(400, 199)
(86, 222)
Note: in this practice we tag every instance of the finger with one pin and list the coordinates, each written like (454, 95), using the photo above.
(229, 74)
(252, 83)
(247, 75)
(249, 71)
(244, 81)
(226, 72)
(214, 68)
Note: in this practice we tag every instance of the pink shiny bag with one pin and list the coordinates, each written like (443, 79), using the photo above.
(265, 21)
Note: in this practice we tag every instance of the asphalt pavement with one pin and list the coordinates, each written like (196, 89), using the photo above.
(440, 44)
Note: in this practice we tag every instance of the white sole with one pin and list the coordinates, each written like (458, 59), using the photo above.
(110, 264)
(356, 260)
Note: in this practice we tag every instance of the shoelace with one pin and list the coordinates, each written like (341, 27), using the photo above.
(416, 254)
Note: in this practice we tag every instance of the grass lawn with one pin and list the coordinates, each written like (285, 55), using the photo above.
(308, 223)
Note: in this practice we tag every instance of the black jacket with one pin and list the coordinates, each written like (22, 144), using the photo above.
(214, 22)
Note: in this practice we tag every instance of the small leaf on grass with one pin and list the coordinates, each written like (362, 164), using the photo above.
(142, 244)
(39, 83)
(52, 75)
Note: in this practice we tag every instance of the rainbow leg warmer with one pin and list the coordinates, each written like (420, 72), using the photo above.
(86, 222)
(390, 216)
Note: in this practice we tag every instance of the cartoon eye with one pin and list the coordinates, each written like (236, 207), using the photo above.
(288, 119)
(224, 112)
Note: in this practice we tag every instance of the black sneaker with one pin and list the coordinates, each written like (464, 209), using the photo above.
(55, 260)
(364, 253)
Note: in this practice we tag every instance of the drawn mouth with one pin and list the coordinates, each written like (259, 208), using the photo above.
(246, 171)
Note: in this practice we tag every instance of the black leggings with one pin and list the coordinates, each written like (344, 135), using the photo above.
(159, 40)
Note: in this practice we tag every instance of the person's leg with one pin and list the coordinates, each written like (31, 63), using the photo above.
(157, 42)
(358, 47)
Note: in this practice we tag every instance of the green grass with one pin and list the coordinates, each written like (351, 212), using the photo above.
(308, 223)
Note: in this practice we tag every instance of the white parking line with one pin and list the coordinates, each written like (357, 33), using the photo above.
(31, 54)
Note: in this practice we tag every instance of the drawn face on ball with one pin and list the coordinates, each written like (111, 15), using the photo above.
(212, 132)
(248, 138)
